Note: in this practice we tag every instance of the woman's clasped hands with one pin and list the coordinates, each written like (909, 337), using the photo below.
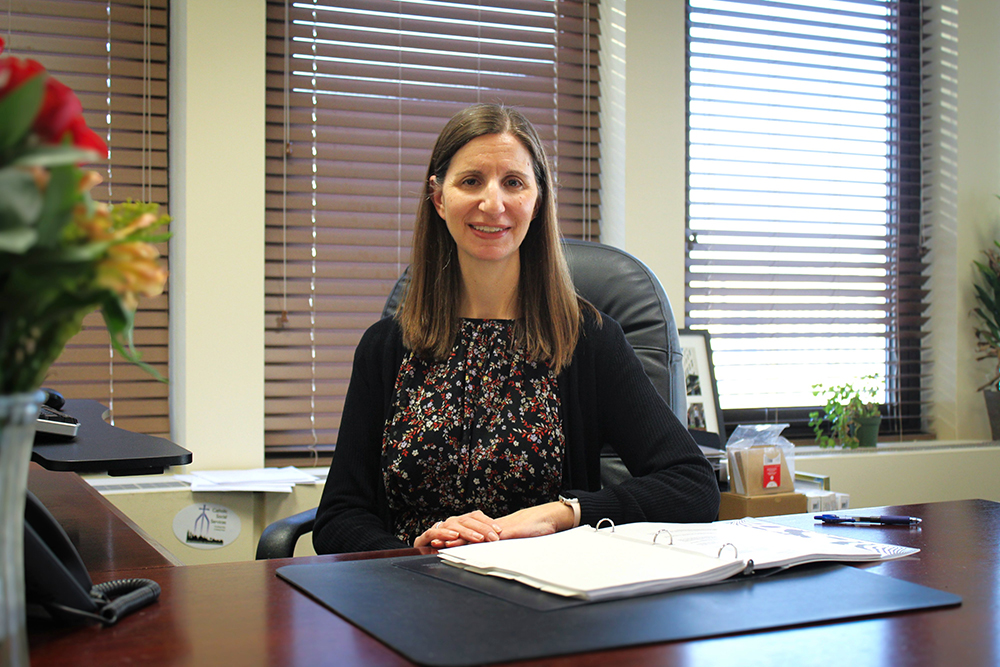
(466, 528)
(476, 526)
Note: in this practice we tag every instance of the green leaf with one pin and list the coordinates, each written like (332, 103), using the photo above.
(119, 321)
(21, 202)
(158, 238)
(18, 110)
(60, 197)
(117, 318)
(17, 241)
(52, 155)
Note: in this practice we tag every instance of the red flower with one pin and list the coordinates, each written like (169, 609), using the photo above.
(61, 112)
(59, 107)
(84, 137)
(14, 72)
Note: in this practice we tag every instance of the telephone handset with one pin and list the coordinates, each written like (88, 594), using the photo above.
(56, 581)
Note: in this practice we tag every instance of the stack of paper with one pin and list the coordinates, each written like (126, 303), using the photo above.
(281, 480)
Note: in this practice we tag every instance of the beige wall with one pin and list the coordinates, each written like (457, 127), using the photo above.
(908, 474)
(655, 136)
(217, 251)
(154, 511)
(958, 411)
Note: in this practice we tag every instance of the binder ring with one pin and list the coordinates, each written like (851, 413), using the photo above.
(609, 521)
(736, 553)
(663, 530)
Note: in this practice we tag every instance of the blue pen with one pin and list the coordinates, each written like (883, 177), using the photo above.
(883, 520)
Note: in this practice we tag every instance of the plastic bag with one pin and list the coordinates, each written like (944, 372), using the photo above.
(761, 461)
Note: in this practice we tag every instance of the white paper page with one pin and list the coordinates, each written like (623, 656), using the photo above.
(767, 544)
(587, 561)
(287, 475)
(201, 486)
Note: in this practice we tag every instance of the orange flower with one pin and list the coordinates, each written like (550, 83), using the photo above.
(89, 179)
(96, 227)
(131, 269)
(144, 221)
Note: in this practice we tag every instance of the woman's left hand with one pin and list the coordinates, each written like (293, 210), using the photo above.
(538, 520)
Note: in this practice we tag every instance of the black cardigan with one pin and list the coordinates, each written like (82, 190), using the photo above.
(606, 398)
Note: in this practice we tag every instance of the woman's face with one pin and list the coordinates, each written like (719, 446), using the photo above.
(488, 198)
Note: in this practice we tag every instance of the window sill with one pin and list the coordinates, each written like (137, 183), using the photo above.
(894, 446)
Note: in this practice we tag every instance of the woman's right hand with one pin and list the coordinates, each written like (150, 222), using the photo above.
(455, 531)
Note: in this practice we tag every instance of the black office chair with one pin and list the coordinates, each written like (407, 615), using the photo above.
(617, 284)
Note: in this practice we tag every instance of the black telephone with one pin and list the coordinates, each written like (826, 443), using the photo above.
(57, 585)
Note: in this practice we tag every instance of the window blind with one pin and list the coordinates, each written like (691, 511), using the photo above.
(113, 54)
(805, 258)
(357, 93)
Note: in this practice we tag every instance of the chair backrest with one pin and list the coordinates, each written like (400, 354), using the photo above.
(623, 287)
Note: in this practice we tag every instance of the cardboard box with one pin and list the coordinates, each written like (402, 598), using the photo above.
(821, 501)
(735, 506)
(757, 470)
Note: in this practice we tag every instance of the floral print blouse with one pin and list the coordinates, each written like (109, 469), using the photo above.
(478, 430)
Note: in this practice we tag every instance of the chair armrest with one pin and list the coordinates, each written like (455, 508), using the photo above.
(278, 540)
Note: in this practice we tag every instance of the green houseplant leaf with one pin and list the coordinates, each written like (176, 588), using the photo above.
(837, 424)
(987, 331)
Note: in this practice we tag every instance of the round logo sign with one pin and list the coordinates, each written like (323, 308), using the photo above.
(206, 526)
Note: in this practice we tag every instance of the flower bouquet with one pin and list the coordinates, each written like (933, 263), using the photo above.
(61, 254)
(61, 257)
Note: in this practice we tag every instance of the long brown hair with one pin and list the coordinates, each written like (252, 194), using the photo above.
(550, 308)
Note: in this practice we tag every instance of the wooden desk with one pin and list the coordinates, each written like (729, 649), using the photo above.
(242, 614)
(106, 539)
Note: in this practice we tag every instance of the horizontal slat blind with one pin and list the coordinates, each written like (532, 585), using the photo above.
(804, 257)
(113, 54)
(357, 93)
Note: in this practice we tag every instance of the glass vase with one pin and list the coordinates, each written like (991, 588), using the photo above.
(18, 413)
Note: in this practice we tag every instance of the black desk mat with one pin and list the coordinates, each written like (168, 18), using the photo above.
(409, 605)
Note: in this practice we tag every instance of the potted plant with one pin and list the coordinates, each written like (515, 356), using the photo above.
(988, 329)
(852, 414)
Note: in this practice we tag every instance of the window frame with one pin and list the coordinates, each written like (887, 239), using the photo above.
(906, 382)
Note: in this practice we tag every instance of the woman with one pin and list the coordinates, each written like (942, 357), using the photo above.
(479, 411)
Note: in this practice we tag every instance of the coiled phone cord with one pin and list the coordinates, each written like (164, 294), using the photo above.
(129, 595)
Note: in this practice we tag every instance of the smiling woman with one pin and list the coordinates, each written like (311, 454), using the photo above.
(487, 199)
(488, 149)
(478, 413)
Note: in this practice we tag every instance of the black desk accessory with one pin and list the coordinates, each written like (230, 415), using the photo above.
(101, 447)
(52, 421)
(407, 604)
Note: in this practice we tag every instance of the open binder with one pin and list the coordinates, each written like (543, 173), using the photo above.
(642, 558)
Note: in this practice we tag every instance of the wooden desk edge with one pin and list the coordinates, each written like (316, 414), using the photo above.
(153, 542)
(41, 480)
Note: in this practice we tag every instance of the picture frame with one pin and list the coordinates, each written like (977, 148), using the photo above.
(704, 413)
